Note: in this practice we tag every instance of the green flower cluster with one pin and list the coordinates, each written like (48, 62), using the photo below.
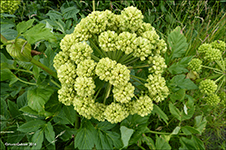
(211, 51)
(109, 70)
(158, 64)
(207, 86)
(195, 64)
(157, 88)
(97, 60)
(9, 6)
(211, 61)
(212, 99)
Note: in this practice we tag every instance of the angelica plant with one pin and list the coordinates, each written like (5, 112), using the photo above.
(100, 62)
(9, 6)
(211, 61)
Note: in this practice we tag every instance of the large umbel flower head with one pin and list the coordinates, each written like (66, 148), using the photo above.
(100, 63)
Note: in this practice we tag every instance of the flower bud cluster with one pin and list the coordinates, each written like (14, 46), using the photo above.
(66, 95)
(143, 48)
(109, 70)
(107, 40)
(212, 99)
(79, 67)
(67, 41)
(203, 48)
(123, 94)
(84, 106)
(67, 73)
(195, 64)
(99, 109)
(126, 43)
(80, 51)
(157, 88)
(9, 6)
(86, 68)
(84, 86)
(143, 106)
(60, 59)
(130, 19)
(207, 86)
(115, 113)
(212, 54)
(218, 44)
(158, 64)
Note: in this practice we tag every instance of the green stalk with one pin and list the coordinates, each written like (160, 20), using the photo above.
(210, 77)
(118, 55)
(138, 78)
(132, 61)
(93, 5)
(108, 89)
(55, 83)
(45, 68)
(211, 68)
(144, 66)
(220, 84)
(95, 57)
(25, 81)
(102, 53)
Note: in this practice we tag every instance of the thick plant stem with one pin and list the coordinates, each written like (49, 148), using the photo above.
(93, 5)
(45, 68)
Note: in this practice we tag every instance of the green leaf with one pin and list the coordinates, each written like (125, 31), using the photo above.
(102, 141)
(49, 133)
(6, 74)
(31, 126)
(126, 134)
(188, 143)
(161, 143)
(190, 108)
(54, 15)
(177, 43)
(4, 109)
(36, 71)
(176, 130)
(2, 145)
(180, 81)
(174, 111)
(200, 123)
(39, 32)
(28, 109)
(86, 136)
(148, 140)
(178, 95)
(180, 67)
(115, 138)
(13, 109)
(37, 139)
(23, 26)
(67, 115)
(48, 61)
(188, 130)
(38, 97)
(199, 144)
(105, 125)
(22, 100)
(160, 113)
(70, 12)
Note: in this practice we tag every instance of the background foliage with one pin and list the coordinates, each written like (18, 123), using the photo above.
(31, 112)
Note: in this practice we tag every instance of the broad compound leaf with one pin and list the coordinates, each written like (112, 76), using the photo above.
(189, 109)
(160, 113)
(31, 126)
(126, 134)
(177, 43)
(174, 111)
(13, 109)
(180, 81)
(105, 125)
(49, 133)
(148, 140)
(102, 141)
(37, 139)
(22, 100)
(200, 123)
(180, 67)
(39, 32)
(37, 97)
(23, 26)
(54, 15)
(6, 74)
(188, 130)
(161, 143)
(86, 136)
(178, 95)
